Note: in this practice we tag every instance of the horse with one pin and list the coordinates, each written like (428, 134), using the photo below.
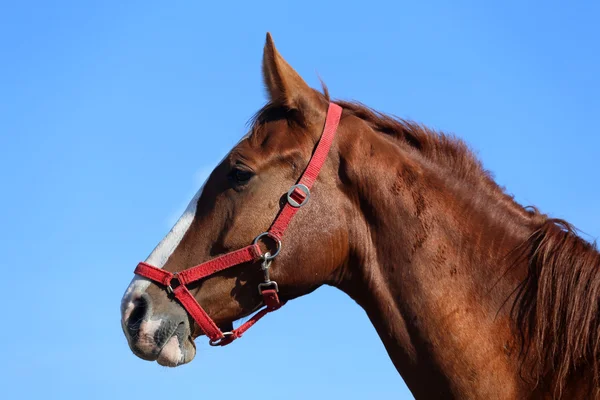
(473, 295)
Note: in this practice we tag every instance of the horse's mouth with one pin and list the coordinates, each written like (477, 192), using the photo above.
(179, 349)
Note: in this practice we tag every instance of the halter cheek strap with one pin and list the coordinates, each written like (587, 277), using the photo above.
(176, 283)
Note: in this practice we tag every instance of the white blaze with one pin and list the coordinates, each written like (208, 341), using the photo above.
(167, 246)
(161, 254)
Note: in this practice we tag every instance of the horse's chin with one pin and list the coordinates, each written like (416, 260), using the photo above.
(174, 353)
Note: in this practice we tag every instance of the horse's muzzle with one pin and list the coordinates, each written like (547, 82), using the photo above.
(164, 338)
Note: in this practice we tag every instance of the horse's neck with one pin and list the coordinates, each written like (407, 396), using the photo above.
(429, 269)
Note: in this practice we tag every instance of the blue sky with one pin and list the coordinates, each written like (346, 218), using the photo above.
(113, 113)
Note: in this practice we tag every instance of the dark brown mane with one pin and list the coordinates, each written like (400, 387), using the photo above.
(556, 307)
(451, 154)
(438, 147)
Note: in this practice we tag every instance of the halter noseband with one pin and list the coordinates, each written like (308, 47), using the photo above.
(297, 196)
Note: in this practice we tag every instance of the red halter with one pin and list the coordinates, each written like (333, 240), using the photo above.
(297, 196)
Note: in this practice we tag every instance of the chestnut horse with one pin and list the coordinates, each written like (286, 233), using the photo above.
(473, 295)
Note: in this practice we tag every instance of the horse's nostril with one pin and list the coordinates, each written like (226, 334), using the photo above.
(141, 308)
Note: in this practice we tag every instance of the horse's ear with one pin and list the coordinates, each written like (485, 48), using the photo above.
(283, 84)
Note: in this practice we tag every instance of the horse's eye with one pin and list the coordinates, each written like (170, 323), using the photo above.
(240, 176)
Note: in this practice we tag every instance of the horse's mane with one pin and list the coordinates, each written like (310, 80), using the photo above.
(456, 161)
(556, 307)
(439, 147)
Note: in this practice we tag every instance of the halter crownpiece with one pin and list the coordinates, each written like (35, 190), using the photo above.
(176, 283)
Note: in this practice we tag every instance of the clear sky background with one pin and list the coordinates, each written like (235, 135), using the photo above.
(113, 113)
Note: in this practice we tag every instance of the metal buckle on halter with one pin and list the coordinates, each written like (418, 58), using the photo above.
(304, 189)
(170, 288)
(266, 285)
(219, 341)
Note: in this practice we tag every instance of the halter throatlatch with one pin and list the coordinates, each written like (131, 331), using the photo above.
(176, 283)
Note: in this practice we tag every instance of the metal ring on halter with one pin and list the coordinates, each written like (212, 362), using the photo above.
(173, 282)
(218, 342)
(267, 256)
(304, 189)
